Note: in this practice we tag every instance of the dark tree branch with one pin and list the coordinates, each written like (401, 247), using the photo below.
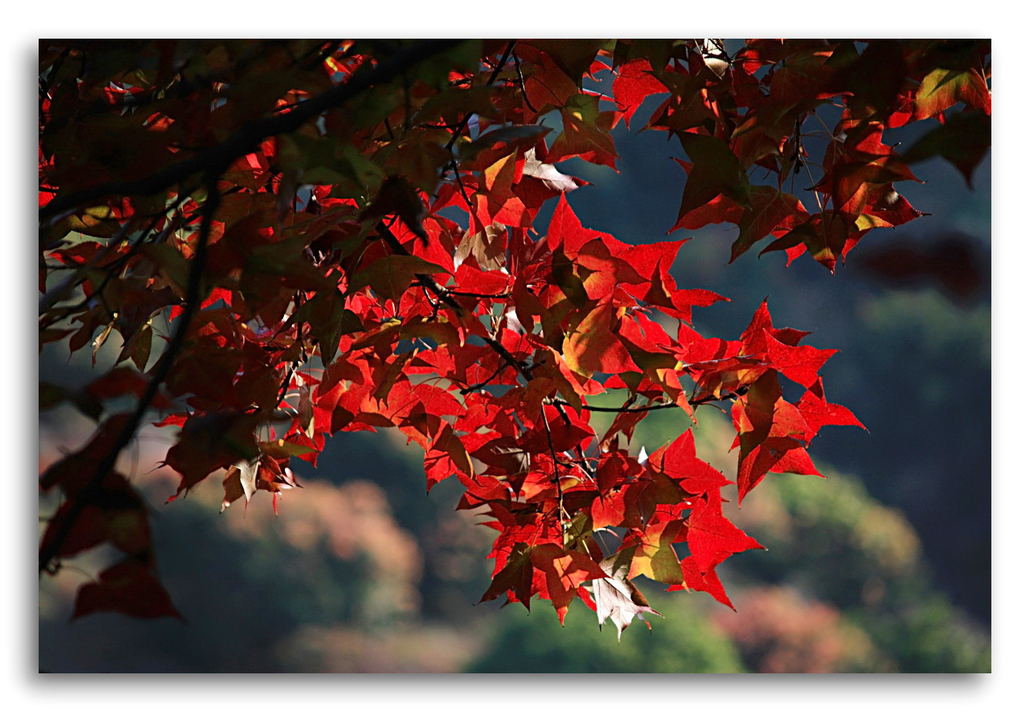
(476, 295)
(656, 406)
(193, 299)
(620, 409)
(249, 138)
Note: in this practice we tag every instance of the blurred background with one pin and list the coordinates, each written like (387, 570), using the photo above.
(884, 566)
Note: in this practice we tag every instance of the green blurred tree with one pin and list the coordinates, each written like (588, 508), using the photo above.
(687, 641)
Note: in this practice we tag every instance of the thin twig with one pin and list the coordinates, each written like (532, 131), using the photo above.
(557, 476)
(522, 81)
(476, 386)
(461, 186)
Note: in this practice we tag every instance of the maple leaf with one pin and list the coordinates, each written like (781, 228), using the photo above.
(398, 196)
(209, 442)
(713, 538)
(616, 598)
(707, 581)
(117, 514)
(445, 453)
(487, 246)
(963, 141)
(329, 318)
(548, 174)
(769, 210)
(594, 345)
(513, 576)
(942, 88)
(239, 481)
(499, 203)
(679, 461)
(716, 170)
(635, 82)
(564, 572)
(654, 555)
(826, 236)
(586, 132)
(818, 412)
(770, 428)
(129, 587)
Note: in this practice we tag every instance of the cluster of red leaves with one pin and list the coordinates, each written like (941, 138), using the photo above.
(335, 250)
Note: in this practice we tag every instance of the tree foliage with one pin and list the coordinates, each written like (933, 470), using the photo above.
(344, 236)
